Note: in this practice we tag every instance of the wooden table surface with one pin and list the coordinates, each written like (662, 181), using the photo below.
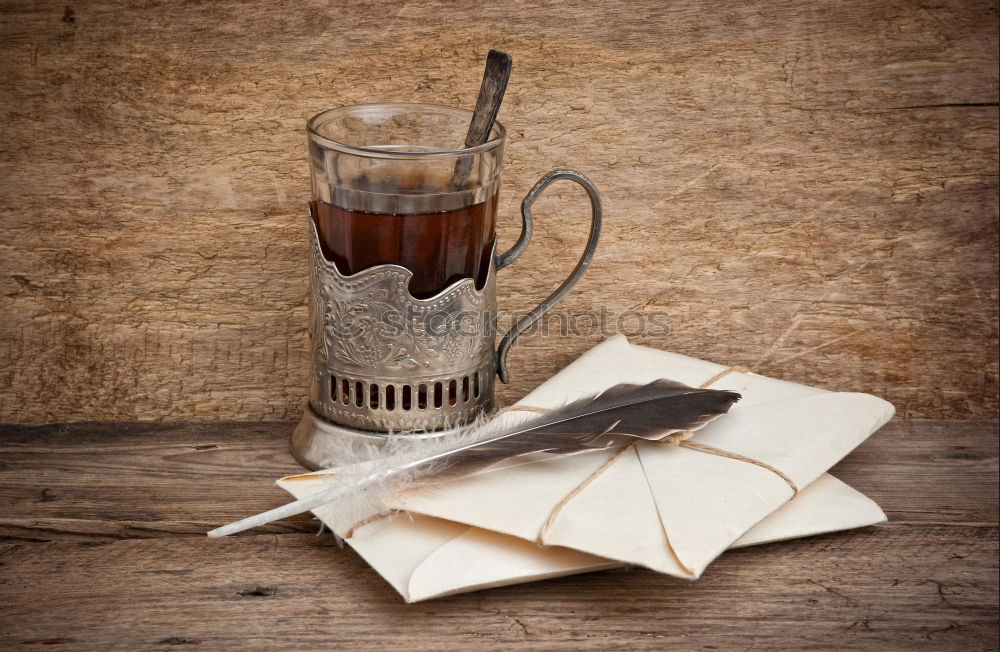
(104, 548)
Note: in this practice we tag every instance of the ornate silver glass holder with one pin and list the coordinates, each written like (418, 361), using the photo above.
(387, 365)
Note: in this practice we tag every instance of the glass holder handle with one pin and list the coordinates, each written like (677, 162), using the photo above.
(509, 256)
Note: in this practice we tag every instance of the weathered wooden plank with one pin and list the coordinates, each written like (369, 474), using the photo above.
(811, 190)
(130, 502)
(99, 480)
(139, 480)
(886, 587)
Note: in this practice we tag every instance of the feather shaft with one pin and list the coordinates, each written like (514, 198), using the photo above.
(297, 507)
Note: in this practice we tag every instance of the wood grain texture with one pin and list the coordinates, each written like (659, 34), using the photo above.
(94, 481)
(77, 566)
(807, 189)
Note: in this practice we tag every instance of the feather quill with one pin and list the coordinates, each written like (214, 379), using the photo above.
(617, 416)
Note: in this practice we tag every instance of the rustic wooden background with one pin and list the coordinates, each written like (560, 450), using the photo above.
(809, 189)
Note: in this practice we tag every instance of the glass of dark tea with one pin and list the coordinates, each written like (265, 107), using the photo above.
(390, 188)
(404, 261)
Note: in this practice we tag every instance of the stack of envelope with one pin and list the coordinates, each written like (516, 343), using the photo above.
(669, 508)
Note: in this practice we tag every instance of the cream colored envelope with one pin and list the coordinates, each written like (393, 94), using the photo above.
(672, 509)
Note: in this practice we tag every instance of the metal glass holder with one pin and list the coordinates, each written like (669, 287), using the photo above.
(385, 364)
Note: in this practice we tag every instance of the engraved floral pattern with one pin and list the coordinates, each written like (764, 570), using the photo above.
(368, 333)
(363, 332)
(370, 321)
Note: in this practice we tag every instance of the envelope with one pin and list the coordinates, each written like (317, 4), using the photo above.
(754, 475)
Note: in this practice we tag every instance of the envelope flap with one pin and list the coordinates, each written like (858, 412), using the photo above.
(802, 437)
(394, 546)
(614, 515)
(479, 559)
(515, 500)
(706, 502)
(824, 506)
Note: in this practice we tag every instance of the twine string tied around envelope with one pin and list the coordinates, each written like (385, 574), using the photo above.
(675, 439)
